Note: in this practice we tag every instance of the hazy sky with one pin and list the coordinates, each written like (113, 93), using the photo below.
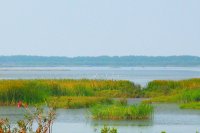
(99, 27)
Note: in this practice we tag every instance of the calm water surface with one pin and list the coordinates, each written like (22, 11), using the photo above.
(167, 117)
(141, 75)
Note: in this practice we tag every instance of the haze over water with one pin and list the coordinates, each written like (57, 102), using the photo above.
(140, 75)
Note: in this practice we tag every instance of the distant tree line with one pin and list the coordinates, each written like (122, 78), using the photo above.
(114, 61)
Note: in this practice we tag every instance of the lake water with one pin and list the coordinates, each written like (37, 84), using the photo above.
(167, 117)
(140, 75)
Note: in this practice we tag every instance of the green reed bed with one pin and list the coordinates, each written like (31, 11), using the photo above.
(38, 91)
(101, 88)
(170, 87)
(191, 105)
(12, 91)
(120, 112)
(163, 99)
(190, 99)
(187, 96)
(184, 92)
(183, 96)
(77, 102)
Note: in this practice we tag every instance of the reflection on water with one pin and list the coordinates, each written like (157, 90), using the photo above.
(166, 117)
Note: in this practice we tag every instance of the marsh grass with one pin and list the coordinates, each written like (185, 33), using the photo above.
(106, 129)
(190, 96)
(77, 102)
(101, 88)
(191, 105)
(158, 88)
(184, 92)
(184, 96)
(27, 91)
(38, 91)
(117, 112)
(163, 99)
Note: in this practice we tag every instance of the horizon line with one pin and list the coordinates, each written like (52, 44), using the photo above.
(99, 56)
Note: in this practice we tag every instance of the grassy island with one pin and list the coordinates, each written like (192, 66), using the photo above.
(184, 92)
(120, 112)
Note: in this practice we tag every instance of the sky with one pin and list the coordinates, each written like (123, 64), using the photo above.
(99, 27)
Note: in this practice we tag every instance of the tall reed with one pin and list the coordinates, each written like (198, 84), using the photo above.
(77, 101)
(117, 112)
(170, 87)
(34, 91)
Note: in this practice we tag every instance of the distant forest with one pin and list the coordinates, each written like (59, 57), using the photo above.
(114, 61)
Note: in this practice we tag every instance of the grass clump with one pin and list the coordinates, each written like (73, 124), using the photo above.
(77, 102)
(117, 112)
(106, 129)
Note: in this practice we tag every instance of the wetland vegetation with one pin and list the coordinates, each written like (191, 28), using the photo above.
(85, 93)
(122, 112)
(184, 92)
(73, 102)
(105, 99)
(38, 91)
(98, 95)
